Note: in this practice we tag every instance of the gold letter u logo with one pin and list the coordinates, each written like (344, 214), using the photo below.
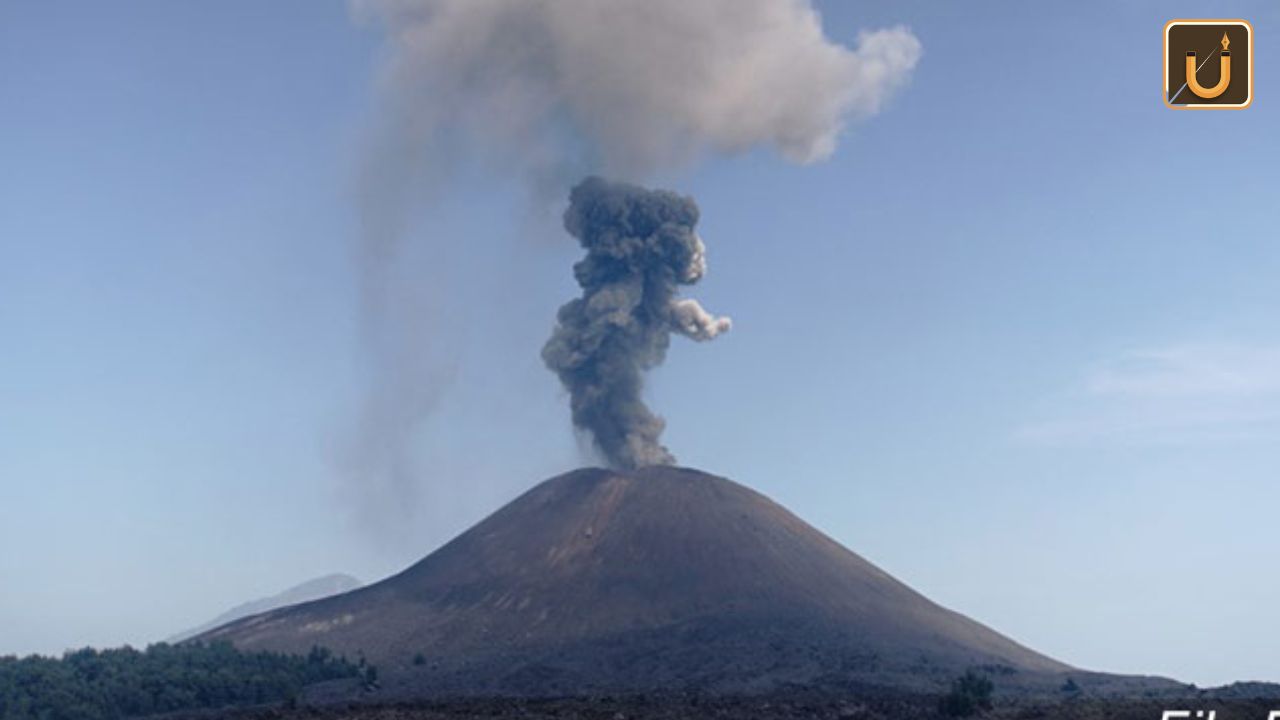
(1224, 78)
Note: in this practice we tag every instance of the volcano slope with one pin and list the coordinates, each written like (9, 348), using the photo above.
(603, 581)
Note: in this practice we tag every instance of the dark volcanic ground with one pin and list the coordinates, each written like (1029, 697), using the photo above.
(865, 704)
(663, 579)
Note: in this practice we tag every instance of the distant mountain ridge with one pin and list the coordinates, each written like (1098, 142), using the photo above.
(314, 589)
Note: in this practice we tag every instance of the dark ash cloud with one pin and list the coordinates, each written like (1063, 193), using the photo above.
(641, 247)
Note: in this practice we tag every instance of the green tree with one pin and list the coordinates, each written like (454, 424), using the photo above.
(970, 694)
(93, 684)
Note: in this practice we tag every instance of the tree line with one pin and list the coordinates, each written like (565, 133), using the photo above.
(123, 682)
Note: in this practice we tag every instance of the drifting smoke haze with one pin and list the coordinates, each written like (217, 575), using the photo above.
(554, 89)
(641, 246)
(547, 91)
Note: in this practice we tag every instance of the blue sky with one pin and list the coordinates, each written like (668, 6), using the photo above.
(1015, 342)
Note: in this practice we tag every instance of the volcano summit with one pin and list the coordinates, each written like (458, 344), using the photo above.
(662, 577)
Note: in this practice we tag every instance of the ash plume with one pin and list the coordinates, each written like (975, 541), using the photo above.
(641, 246)
(545, 92)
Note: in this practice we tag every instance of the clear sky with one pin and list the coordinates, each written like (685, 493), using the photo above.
(1016, 341)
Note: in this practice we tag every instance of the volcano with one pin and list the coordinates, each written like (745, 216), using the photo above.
(624, 581)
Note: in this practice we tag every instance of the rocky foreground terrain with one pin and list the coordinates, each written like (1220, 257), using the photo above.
(781, 706)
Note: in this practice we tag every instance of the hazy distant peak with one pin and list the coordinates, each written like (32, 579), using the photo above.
(313, 589)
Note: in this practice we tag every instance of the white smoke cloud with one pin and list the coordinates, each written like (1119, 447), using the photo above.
(691, 320)
(698, 264)
(624, 87)
(1182, 394)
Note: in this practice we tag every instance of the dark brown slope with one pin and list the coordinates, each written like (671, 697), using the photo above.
(662, 577)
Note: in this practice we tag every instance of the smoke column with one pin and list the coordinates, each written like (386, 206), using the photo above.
(641, 246)
(547, 91)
